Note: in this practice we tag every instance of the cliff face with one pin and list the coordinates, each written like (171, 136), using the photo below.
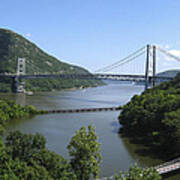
(13, 45)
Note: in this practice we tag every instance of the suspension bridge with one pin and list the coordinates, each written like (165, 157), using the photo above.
(148, 77)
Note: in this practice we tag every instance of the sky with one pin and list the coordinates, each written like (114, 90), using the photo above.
(96, 33)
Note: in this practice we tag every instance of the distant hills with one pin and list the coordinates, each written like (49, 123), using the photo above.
(169, 73)
(13, 45)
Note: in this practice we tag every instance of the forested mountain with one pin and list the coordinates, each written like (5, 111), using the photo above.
(13, 45)
(153, 118)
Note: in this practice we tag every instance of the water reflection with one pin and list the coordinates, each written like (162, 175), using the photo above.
(20, 99)
(136, 151)
(116, 126)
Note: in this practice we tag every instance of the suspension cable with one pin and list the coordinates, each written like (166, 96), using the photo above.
(125, 62)
(120, 61)
(168, 54)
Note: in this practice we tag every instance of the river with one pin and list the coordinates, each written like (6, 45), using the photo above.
(118, 153)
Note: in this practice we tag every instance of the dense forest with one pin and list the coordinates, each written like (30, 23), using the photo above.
(153, 118)
(25, 156)
(13, 45)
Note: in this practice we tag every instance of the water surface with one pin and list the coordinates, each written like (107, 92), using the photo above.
(118, 153)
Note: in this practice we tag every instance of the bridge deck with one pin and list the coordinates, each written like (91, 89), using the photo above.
(161, 169)
(132, 77)
(169, 166)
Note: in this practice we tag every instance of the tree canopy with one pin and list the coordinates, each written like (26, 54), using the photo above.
(25, 156)
(154, 117)
(136, 173)
(85, 152)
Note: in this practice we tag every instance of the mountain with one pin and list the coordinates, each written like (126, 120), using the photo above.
(169, 73)
(13, 45)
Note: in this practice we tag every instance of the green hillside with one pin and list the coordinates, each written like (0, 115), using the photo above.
(13, 45)
(153, 118)
(170, 73)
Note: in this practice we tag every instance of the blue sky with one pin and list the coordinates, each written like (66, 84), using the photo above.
(95, 33)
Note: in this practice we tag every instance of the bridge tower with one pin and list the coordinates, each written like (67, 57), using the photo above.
(150, 79)
(19, 83)
(154, 66)
(147, 67)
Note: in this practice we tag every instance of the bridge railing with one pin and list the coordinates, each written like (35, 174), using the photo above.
(167, 163)
(87, 76)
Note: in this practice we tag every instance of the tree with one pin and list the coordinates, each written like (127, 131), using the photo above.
(23, 146)
(56, 165)
(85, 152)
(136, 173)
(153, 117)
(26, 158)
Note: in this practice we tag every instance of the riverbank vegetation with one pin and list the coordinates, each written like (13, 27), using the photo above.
(137, 173)
(153, 118)
(25, 156)
(10, 110)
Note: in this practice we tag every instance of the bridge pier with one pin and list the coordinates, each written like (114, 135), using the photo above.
(18, 83)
